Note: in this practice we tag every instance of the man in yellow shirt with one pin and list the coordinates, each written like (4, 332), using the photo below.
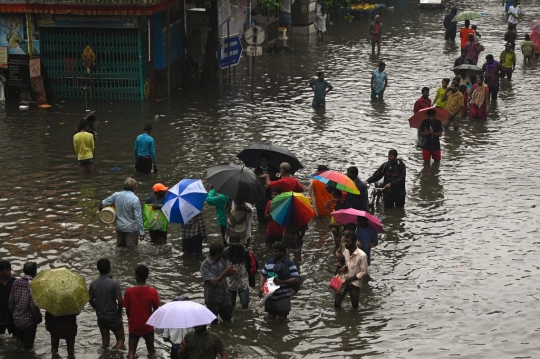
(454, 104)
(84, 148)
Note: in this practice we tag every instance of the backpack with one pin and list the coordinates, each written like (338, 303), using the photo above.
(252, 265)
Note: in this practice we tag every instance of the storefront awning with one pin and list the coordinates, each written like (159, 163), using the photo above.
(89, 7)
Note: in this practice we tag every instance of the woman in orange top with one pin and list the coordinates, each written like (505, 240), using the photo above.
(321, 200)
(464, 33)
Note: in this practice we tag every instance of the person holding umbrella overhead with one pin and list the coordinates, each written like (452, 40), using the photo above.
(432, 130)
(263, 169)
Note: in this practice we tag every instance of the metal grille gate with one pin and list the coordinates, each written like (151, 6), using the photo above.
(116, 74)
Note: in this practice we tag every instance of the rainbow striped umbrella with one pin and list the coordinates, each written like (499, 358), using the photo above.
(291, 209)
(337, 180)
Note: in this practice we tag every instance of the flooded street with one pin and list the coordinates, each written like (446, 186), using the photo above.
(452, 276)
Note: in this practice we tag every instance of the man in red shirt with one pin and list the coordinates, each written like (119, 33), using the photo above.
(464, 33)
(423, 102)
(140, 302)
(287, 183)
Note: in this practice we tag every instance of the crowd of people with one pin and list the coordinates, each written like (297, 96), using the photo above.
(229, 270)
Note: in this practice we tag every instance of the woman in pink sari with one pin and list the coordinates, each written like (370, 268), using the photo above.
(479, 99)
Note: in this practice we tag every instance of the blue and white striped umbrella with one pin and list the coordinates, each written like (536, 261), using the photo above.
(184, 201)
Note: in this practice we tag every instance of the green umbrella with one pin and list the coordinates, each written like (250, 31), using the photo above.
(467, 15)
(59, 291)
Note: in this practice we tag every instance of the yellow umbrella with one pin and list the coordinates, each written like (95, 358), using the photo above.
(59, 291)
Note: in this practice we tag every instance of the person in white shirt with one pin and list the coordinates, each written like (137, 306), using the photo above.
(355, 269)
(175, 336)
(514, 13)
(320, 23)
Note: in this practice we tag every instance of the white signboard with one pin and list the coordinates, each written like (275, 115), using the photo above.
(253, 50)
(224, 11)
(254, 35)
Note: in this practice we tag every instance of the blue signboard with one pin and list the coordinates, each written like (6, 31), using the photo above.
(230, 52)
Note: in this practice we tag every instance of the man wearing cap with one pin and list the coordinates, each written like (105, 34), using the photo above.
(157, 236)
(356, 201)
(6, 282)
(145, 151)
(321, 199)
(129, 222)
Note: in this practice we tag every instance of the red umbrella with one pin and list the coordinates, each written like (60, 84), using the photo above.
(350, 215)
(416, 120)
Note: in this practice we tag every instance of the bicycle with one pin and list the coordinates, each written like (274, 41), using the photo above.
(375, 196)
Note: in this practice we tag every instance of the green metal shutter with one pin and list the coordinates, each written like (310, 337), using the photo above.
(116, 74)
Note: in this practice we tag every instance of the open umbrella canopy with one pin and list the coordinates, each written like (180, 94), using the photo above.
(181, 314)
(470, 68)
(184, 201)
(291, 209)
(467, 15)
(535, 26)
(59, 291)
(416, 120)
(338, 180)
(236, 182)
(251, 155)
(350, 215)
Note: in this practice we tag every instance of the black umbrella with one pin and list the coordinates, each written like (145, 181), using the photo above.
(470, 68)
(236, 182)
(251, 155)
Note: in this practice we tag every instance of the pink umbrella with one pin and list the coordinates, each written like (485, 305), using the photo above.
(535, 26)
(350, 215)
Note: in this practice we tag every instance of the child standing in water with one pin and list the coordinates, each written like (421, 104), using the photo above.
(527, 49)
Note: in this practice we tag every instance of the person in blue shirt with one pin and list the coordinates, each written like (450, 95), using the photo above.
(320, 86)
(129, 221)
(367, 237)
(286, 276)
(145, 151)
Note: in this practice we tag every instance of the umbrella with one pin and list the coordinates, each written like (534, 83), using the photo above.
(467, 15)
(184, 201)
(416, 120)
(535, 26)
(291, 209)
(470, 68)
(236, 182)
(181, 314)
(350, 215)
(251, 155)
(337, 180)
(59, 291)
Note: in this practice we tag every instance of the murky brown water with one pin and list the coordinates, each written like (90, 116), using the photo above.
(453, 276)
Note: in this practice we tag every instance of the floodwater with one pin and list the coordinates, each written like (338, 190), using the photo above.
(452, 276)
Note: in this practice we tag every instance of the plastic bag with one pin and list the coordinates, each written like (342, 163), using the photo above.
(338, 284)
(154, 219)
(269, 288)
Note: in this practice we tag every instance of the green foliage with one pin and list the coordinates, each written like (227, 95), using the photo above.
(336, 4)
(348, 17)
(270, 4)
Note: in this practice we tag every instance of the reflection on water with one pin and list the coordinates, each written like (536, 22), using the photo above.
(451, 275)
